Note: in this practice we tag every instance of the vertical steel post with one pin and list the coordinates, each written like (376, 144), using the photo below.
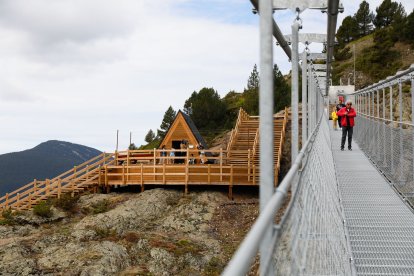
(304, 96)
(400, 111)
(378, 103)
(384, 128)
(391, 106)
(383, 103)
(266, 117)
(400, 102)
(310, 95)
(392, 132)
(295, 91)
(412, 116)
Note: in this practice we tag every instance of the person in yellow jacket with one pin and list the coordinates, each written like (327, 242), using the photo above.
(334, 119)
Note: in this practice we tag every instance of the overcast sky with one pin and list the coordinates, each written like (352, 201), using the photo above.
(78, 70)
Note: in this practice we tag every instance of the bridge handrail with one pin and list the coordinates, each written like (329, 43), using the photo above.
(385, 120)
(241, 261)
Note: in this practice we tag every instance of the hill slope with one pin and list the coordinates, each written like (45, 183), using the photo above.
(46, 160)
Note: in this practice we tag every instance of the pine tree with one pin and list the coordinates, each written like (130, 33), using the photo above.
(208, 110)
(408, 28)
(254, 81)
(388, 13)
(168, 119)
(150, 136)
(132, 147)
(348, 31)
(363, 18)
(281, 90)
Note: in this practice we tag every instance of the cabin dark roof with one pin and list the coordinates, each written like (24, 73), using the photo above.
(194, 129)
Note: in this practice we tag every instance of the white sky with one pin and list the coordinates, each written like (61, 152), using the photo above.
(78, 70)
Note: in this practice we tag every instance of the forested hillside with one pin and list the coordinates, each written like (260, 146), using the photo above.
(379, 44)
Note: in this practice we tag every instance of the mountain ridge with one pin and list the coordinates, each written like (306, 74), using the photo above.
(46, 160)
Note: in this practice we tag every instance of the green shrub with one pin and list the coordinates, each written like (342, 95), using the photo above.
(43, 210)
(101, 206)
(66, 202)
(7, 214)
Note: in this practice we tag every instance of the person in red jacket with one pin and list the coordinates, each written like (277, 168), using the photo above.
(347, 121)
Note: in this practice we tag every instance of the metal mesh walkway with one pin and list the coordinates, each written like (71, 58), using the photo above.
(379, 223)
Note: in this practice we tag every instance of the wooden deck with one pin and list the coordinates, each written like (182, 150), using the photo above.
(235, 166)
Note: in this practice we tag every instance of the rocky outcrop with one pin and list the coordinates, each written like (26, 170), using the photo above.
(157, 232)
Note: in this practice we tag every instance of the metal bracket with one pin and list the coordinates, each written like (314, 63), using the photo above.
(308, 38)
(319, 67)
(315, 56)
(300, 4)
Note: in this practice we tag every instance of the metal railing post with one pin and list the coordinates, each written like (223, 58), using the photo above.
(304, 97)
(412, 115)
(392, 132)
(266, 116)
(295, 90)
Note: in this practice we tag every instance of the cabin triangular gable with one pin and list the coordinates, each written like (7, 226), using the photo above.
(182, 128)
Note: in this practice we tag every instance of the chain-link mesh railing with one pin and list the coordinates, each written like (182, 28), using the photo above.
(312, 235)
(391, 148)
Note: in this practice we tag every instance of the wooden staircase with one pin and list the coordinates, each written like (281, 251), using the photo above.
(244, 146)
(81, 178)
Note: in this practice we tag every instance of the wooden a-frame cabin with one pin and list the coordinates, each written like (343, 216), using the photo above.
(237, 165)
(182, 130)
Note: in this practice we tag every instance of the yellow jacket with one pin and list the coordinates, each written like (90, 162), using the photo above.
(334, 116)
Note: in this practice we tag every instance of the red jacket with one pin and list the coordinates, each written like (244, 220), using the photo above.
(351, 114)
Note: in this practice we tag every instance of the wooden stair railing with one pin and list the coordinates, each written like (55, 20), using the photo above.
(74, 181)
(242, 116)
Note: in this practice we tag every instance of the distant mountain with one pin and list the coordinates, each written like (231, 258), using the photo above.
(47, 160)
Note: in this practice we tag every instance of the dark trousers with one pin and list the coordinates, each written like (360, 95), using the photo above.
(349, 130)
(339, 121)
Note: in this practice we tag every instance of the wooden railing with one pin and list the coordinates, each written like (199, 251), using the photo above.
(282, 140)
(141, 167)
(72, 181)
(242, 116)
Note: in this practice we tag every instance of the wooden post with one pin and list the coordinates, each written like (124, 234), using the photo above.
(153, 167)
(186, 174)
(187, 157)
(221, 165)
(186, 179)
(248, 165)
(254, 174)
(59, 188)
(123, 174)
(231, 174)
(163, 173)
(155, 157)
(18, 200)
(127, 157)
(231, 183)
(116, 157)
(47, 187)
(209, 174)
(7, 200)
(35, 185)
(29, 204)
(100, 174)
(106, 175)
(142, 174)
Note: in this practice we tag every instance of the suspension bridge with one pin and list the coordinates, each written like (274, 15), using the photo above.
(350, 212)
